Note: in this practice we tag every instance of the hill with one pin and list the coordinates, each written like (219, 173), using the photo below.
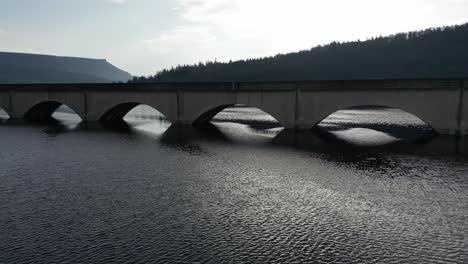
(34, 68)
(431, 53)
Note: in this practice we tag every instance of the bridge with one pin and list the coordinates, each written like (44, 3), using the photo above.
(442, 104)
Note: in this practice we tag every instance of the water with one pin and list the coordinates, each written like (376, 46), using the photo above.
(233, 193)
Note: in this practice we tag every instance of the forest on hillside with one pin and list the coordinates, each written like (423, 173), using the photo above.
(432, 53)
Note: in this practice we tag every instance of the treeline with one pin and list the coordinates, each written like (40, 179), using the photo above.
(431, 53)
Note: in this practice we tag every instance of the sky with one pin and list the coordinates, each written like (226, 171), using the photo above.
(145, 36)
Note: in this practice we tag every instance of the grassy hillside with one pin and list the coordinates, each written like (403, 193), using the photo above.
(33, 68)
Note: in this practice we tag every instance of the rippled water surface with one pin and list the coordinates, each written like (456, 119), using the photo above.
(232, 193)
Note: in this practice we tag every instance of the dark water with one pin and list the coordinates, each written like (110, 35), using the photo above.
(230, 194)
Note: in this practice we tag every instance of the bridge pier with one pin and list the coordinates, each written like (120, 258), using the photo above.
(463, 108)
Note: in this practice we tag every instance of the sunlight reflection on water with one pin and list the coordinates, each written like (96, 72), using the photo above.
(361, 127)
(152, 192)
(3, 115)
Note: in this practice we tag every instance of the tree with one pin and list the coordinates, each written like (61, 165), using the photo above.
(430, 53)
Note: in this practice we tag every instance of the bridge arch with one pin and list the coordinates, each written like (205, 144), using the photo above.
(44, 111)
(399, 117)
(4, 114)
(117, 113)
(206, 117)
(438, 108)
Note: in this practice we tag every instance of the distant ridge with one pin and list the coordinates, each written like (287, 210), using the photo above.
(36, 68)
(431, 53)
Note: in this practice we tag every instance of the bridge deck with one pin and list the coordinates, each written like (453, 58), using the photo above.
(442, 103)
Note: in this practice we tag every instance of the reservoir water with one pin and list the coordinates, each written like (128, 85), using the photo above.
(362, 187)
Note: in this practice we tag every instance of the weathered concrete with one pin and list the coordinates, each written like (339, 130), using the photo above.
(443, 104)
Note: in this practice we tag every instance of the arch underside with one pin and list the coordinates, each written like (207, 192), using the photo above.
(117, 113)
(42, 111)
(305, 119)
(4, 114)
(205, 119)
(424, 124)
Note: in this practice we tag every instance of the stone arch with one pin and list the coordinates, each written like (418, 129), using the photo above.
(208, 115)
(4, 114)
(117, 113)
(417, 115)
(43, 111)
(437, 108)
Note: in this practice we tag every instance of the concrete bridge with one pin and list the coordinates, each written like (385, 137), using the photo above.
(443, 104)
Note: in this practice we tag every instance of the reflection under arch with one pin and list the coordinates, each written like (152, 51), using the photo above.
(375, 121)
(240, 123)
(238, 113)
(134, 114)
(4, 115)
(51, 111)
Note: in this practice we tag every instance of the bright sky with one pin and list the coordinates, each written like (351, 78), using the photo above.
(144, 36)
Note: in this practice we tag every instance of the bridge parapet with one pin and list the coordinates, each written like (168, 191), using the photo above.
(380, 84)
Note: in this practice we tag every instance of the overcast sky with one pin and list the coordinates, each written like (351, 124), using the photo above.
(144, 36)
